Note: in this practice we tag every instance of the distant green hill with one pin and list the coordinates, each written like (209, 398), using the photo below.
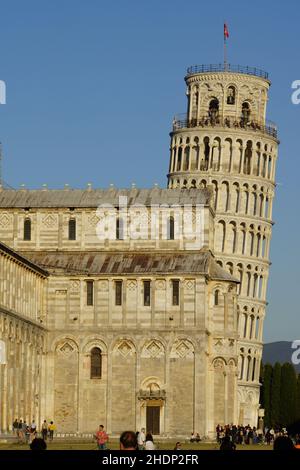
(279, 351)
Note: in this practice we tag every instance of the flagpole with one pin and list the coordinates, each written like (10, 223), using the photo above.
(225, 54)
(226, 35)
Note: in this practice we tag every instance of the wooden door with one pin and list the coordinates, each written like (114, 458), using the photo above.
(153, 418)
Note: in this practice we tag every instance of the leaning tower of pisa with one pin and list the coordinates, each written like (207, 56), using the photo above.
(225, 141)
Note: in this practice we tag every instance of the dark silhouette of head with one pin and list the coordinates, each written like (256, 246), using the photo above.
(149, 437)
(283, 443)
(227, 444)
(128, 440)
(38, 444)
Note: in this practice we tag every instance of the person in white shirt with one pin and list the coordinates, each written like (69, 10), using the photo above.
(141, 439)
(149, 445)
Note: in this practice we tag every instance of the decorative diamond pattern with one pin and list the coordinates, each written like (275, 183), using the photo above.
(5, 220)
(154, 349)
(125, 348)
(50, 220)
(182, 349)
(66, 349)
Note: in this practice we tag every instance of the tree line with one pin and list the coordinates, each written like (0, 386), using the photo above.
(280, 394)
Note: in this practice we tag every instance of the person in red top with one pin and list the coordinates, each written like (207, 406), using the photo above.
(101, 438)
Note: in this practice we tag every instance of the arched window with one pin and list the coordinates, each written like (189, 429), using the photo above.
(231, 95)
(269, 167)
(243, 241)
(254, 203)
(204, 165)
(27, 230)
(249, 284)
(258, 245)
(242, 363)
(253, 369)
(245, 322)
(96, 363)
(248, 367)
(267, 208)
(264, 170)
(251, 243)
(247, 158)
(263, 250)
(213, 108)
(119, 228)
(261, 205)
(179, 159)
(257, 328)
(216, 297)
(240, 271)
(186, 158)
(72, 229)
(251, 326)
(260, 287)
(245, 112)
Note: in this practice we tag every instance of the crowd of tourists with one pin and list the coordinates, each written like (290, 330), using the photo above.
(249, 435)
(26, 433)
(228, 437)
(144, 441)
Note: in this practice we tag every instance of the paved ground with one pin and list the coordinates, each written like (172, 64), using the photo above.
(113, 444)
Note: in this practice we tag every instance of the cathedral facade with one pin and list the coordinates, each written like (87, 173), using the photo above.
(145, 307)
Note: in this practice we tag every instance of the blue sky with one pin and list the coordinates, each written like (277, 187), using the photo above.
(92, 87)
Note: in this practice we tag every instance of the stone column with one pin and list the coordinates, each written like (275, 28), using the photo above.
(242, 159)
(175, 158)
(182, 157)
(210, 155)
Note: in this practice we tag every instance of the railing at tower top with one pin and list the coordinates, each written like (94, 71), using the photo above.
(268, 127)
(210, 68)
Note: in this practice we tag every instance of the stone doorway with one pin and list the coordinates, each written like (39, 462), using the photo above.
(153, 419)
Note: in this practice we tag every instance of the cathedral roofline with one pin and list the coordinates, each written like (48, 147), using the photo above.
(88, 198)
(22, 259)
(131, 263)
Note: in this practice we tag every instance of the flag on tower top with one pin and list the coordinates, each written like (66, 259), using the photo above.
(226, 32)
